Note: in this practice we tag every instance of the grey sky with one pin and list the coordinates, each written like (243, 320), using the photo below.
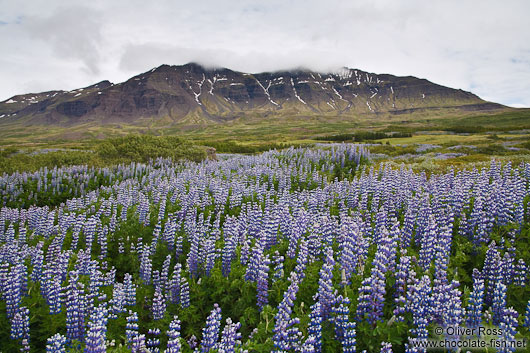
(481, 46)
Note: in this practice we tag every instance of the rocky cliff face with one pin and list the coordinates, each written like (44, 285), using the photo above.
(191, 93)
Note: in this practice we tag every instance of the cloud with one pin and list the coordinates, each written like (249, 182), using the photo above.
(73, 33)
(138, 57)
(478, 45)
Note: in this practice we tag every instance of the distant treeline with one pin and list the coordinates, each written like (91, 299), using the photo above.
(363, 136)
(464, 129)
(234, 147)
(133, 148)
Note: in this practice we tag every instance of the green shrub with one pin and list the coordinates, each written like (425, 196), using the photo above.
(234, 147)
(362, 136)
(134, 148)
(142, 148)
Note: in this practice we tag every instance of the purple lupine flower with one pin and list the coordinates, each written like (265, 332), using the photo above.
(491, 272)
(97, 331)
(109, 278)
(13, 289)
(286, 334)
(145, 266)
(170, 229)
(272, 222)
(138, 344)
(178, 246)
(476, 301)
(210, 333)
(349, 256)
(209, 250)
(162, 209)
(89, 231)
(193, 255)
(372, 291)
(262, 282)
(159, 305)
(55, 344)
(154, 342)
(173, 335)
(508, 326)
(173, 287)
(80, 221)
(230, 236)
(408, 227)
(342, 312)
(54, 295)
(75, 309)
(192, 342)
(386, 347)
(326, 296)
(315, 327)
(20, 326)
(521, 273)
(507, 268)
(428, 241)
(278, 266)
(143, 210)
(245, 250)
(302, 259)
(164, 276)
(349, 342)
(131, 328)
(453, 314)
(314, 243)
(499, 303)
(102, 239)
(129, 289)
(254, 263)
(184, 293)
(391, 240)
(117, 302)
(309, 345)
(230, 337)
(9, 236)
(402, 273)
(95, 282)
(419, 304)
(37, 262)
(156, 279)
(4, 275)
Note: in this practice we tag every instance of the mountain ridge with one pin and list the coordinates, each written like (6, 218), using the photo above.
(191, 93)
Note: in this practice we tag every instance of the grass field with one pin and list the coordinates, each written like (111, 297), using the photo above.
(476, 138)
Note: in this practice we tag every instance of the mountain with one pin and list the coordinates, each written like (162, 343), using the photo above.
(191, 94)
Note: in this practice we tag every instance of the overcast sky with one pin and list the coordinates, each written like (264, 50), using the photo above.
(478, 45)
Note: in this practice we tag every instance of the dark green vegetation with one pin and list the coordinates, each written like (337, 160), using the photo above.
(119, 150)
(362, 136)
(142, 148)
(236, 147)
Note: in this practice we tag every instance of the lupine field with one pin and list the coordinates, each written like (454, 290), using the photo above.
(301, 250)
